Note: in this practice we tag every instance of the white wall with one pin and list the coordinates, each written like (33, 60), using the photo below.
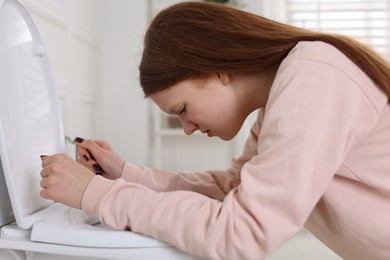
(123, 112)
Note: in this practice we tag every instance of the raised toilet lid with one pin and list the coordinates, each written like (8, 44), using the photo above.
(30, 120)
(31, 125)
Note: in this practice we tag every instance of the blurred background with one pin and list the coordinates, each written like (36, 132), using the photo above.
(94, 47)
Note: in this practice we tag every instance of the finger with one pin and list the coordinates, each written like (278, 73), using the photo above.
(97, 169)
(79, 140)
(93, 145)
(85, 156)
(91, 155)
(43, 183)
(105, 145)
(46, 159)
(44, 173)
(45, 194)
(100, 143)
(81, 151)
(93, 150)
(86, 147)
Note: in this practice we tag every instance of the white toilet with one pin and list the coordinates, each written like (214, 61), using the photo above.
(31, 125)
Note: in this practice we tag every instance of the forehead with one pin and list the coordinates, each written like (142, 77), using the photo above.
(169, 92)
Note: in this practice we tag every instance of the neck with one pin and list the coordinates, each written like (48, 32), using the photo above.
(259, 86)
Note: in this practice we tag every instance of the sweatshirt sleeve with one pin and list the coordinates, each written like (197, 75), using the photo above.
(215, 184)
(312, 118)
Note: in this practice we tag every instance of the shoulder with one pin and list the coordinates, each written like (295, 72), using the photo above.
(327, 57)
(320, 53)
(319, 62)
(323, 62)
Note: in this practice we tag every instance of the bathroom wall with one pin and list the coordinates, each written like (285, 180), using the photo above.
(123, 112)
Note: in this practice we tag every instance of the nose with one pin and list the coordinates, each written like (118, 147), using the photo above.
(189, 127)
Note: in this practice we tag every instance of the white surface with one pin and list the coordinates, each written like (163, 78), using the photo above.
(30, 123)
(68, 226)
(304, 246)
(41, 249)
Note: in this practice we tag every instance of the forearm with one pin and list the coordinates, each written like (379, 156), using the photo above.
(214, 184)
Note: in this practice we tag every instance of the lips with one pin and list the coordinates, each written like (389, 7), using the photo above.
(205, 132)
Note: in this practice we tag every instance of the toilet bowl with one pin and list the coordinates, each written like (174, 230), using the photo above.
(31, 125)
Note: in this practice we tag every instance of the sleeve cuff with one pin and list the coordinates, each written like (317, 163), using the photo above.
(94, 193)
(131, 172)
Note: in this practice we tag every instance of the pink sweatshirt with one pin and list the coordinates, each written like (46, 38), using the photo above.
(318, 156)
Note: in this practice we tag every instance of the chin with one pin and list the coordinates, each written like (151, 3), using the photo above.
(227, 137)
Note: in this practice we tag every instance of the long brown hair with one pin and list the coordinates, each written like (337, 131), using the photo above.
(194, 38)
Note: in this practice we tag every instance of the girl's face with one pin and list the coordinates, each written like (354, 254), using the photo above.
(211, 105)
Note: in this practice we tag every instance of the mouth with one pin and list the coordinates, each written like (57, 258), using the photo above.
(206, 132)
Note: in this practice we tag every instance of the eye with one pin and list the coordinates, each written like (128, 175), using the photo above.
(182, 110)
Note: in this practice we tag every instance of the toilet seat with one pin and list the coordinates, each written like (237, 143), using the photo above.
(78, 229)
(31, 125)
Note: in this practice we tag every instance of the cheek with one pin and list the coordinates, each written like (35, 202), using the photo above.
(231, 123)
(219, 113)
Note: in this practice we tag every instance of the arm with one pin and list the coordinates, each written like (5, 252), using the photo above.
(310, 124)
(215, 184)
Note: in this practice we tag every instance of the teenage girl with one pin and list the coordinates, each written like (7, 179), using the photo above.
(318, 155)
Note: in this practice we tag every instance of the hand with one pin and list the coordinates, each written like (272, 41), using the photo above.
(100, 157)
(64, 180)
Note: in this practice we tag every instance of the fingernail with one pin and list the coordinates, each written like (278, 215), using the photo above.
(97, 167)
(91, 156)
(43, 155)
(79, 140)
(85, 157)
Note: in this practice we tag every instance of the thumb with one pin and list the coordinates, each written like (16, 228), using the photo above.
(96, 150)
(92, 149)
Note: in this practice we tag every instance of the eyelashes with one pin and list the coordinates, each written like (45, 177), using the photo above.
(182, 110)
